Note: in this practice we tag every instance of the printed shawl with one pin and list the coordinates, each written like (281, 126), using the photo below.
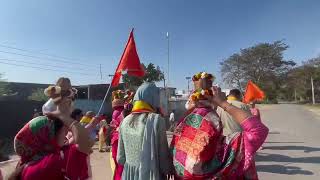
(200, 151)
(35, 140)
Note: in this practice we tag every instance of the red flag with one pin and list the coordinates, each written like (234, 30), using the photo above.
(129, 62)
(253, 93)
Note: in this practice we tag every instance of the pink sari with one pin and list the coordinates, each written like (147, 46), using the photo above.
(117, 117)
(255, 112)
(44, 159)
(67, 163)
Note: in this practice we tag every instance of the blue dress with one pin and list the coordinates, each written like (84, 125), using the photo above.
(143, 148)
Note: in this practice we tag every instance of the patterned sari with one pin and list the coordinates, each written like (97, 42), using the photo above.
(200, 151)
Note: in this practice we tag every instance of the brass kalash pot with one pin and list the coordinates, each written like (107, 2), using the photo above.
(203, 81)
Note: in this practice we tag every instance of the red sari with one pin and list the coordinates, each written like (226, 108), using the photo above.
(69, 162)
(36, 145)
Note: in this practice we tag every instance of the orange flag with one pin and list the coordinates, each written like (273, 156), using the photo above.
(129, 62)
(253, 93)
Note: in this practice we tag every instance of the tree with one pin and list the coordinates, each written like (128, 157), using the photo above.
(298, 80)
(262, 63)
(38, 95)
(153, 74)
(232, 71)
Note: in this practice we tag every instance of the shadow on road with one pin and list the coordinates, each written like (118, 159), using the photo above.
(274, 142)
(282, 169)
(274, 132)
(306, 149)
(264, 157)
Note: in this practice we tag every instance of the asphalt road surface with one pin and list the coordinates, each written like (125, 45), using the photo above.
(291, 151)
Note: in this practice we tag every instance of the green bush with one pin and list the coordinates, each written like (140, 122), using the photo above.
(271, 101)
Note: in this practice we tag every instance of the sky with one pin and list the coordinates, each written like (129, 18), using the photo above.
(72, 38)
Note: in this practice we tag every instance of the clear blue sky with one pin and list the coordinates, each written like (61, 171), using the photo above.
(202, 33)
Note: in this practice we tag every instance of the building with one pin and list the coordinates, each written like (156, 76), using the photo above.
(89, 97)
(170, 90)
(182, 94)
(21, 91)
(95, 91)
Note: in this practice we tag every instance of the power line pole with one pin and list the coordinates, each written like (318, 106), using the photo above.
(168, 73)
(100, 73)
(312, 89)
(168, 79)
(188, 79)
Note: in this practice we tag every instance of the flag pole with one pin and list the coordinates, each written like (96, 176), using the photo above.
(104, 99)
(111, 84)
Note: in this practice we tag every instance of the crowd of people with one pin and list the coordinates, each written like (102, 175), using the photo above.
(217, 138)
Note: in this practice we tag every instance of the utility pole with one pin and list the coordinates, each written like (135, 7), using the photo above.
(312, 89)
(100, 73)
(164, 77)
(295, 95)
(168, 73)
(188, 79)
(88, 95)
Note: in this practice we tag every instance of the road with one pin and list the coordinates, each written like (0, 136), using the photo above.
(291, 151)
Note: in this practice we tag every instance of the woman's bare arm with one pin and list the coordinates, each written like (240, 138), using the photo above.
(218, 100)
(79, 133)
(238, 114)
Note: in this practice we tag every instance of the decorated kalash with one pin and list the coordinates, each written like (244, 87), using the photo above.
(202, 83)
(56, 93)
(41, 145)
(199, 149)
(29, 143)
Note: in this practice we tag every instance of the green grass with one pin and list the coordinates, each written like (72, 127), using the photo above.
(313, 106)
